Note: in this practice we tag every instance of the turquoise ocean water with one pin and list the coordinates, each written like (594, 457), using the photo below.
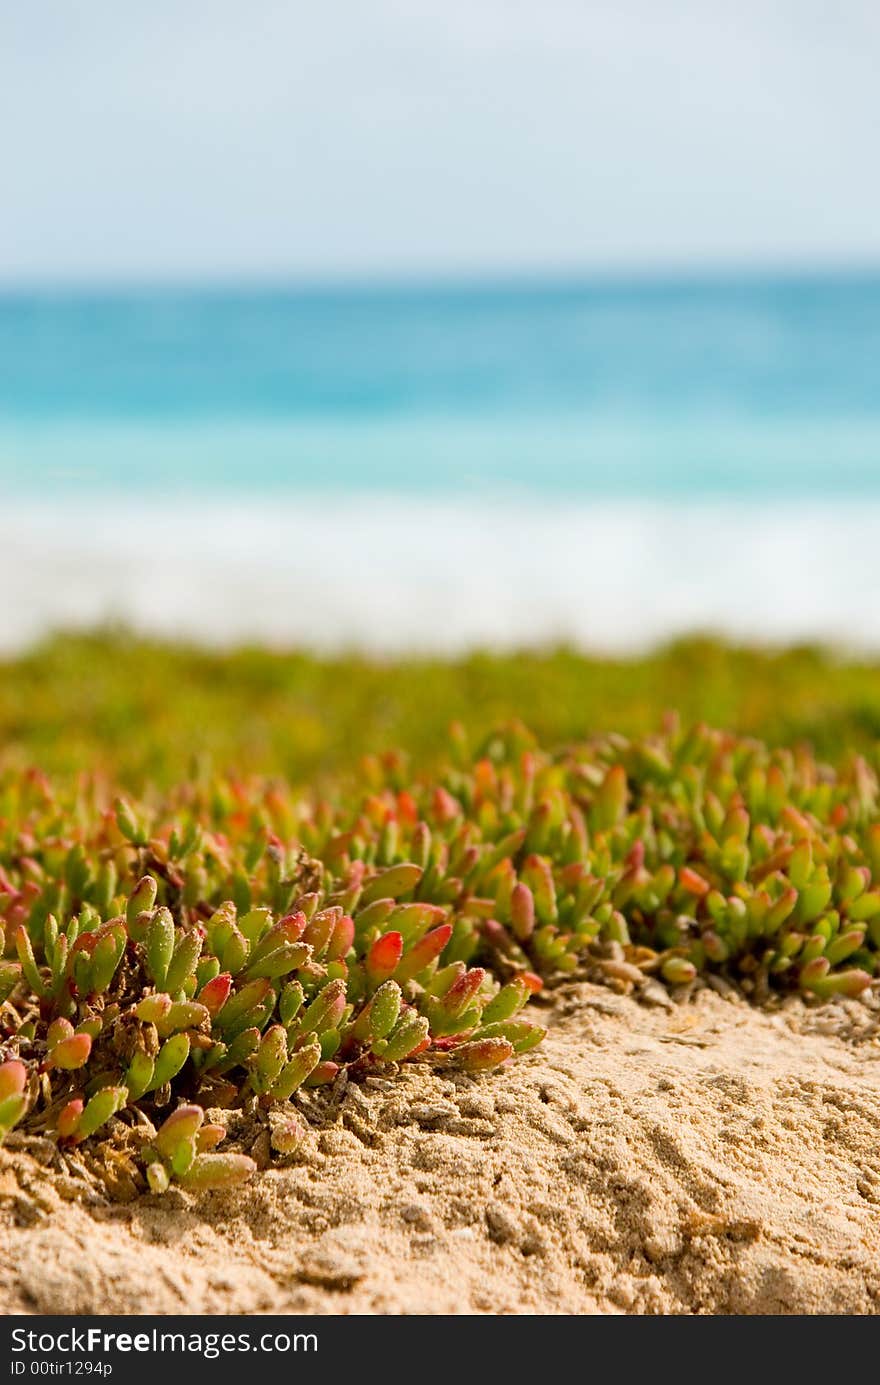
(649, 388)
(505, 462)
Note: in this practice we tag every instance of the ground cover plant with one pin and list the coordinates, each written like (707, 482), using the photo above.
(148, 713)
(228, 941)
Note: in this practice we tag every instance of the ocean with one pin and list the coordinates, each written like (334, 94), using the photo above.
(610, 463)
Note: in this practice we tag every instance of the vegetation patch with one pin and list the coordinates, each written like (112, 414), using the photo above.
(150, 714)
(229, 942)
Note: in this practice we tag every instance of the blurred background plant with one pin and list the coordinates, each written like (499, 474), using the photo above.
(142, 711)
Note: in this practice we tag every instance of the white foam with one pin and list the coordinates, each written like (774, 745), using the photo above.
(387, 575)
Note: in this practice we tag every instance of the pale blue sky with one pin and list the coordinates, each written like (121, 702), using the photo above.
(217, 138)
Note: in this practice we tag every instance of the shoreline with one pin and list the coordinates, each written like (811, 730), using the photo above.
(385, 575)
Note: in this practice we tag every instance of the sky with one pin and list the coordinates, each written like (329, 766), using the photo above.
(212, 139)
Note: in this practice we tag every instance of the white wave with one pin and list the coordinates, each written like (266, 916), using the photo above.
(386, 575)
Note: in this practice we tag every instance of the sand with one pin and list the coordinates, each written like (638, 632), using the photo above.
(701, 1157)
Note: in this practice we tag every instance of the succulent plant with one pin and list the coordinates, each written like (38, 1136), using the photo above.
(237, 941)
(209, 962)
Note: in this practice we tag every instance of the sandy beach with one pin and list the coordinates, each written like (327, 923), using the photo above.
(652, 1157)
(440, 576)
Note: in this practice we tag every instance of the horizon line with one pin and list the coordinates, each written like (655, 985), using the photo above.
(745, 273)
